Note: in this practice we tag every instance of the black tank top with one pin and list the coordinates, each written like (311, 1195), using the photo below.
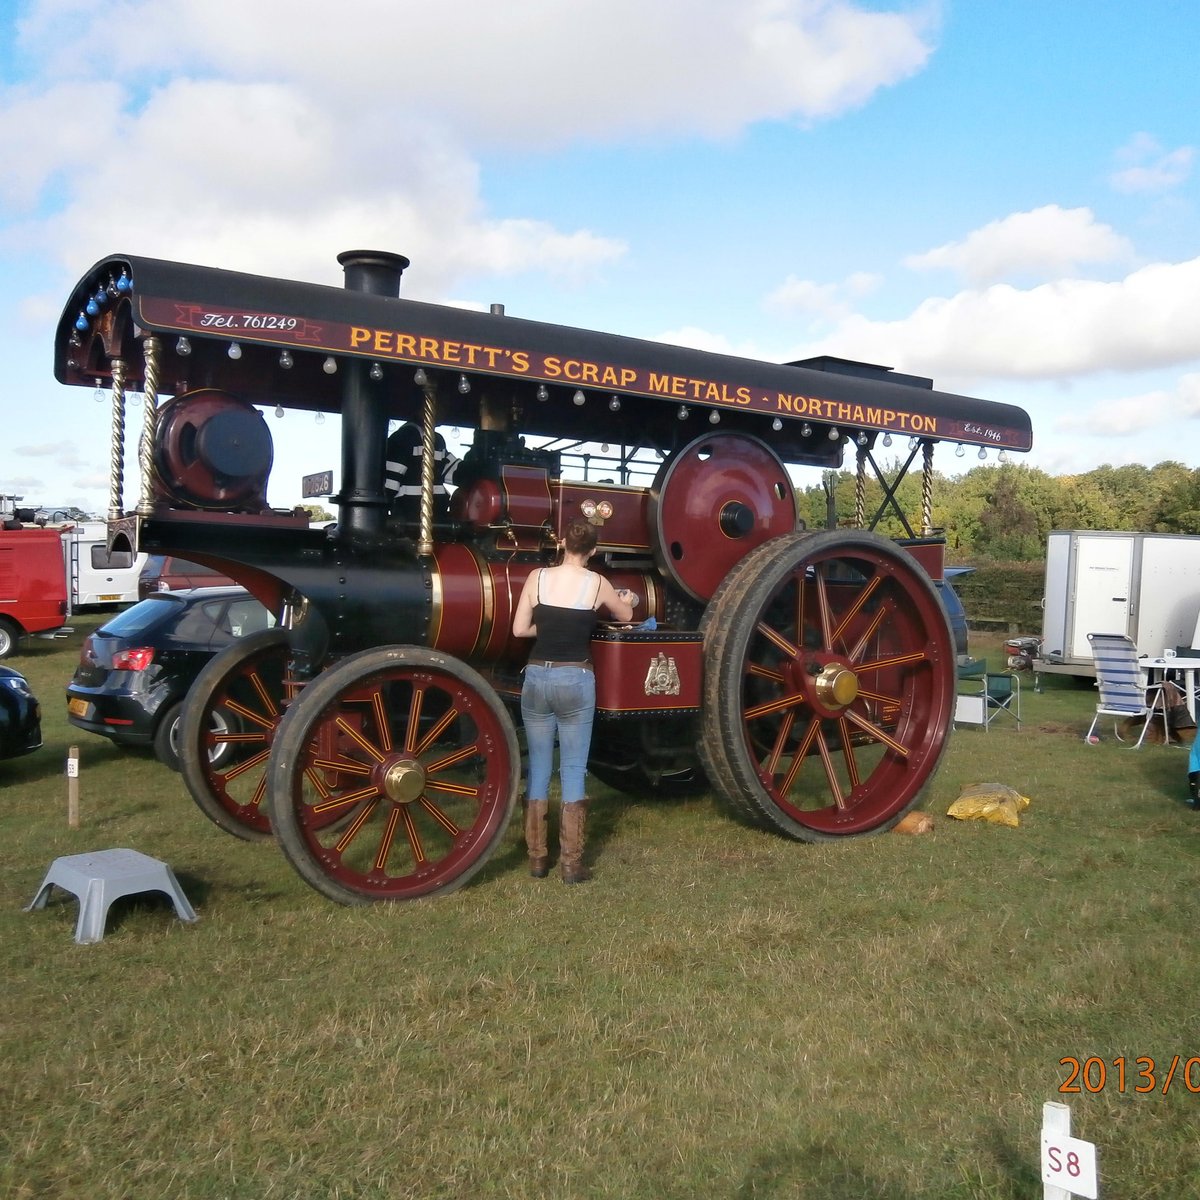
(564, 634)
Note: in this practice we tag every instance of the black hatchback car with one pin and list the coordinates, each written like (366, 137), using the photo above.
(20, 715)
(135, 670)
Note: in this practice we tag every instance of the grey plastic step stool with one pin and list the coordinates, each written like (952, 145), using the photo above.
(101, 877)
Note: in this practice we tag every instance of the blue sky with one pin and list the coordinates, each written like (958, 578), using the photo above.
(1001, 195)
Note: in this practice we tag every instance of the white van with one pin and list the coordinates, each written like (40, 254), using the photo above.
(96, 576)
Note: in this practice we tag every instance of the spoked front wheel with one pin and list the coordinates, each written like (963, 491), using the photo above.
(227, 730)
(393, 776)
(829, 684)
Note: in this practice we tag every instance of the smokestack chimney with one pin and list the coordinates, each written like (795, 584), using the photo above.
(375, 272)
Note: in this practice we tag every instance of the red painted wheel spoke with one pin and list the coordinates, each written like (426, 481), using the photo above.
(264, 694)
(451, 760)
(389, 833)
(318, 783)
(860, 602)
(447, 719)
(848, 752)
(878, 734)
(414, 720)
(213, 739)
(355, 827)
(414, 838)
(359, 740)
(777, 639)
(824, 613)
(259, 760)
(896, 660)
(381, 722)
(781, 740)
(868, 634)
(830, 770)
(248, 714)
(340, 766)
(802, 752)
(764, 673)
(260, 792)
(440, 817)
(451, 789)
(792, 700)
(333, 802)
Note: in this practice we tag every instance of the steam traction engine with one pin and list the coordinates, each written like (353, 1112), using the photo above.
(805, 677)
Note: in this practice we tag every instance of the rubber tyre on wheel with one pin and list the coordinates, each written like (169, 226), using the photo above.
(393, 776)
(829, 685)
(9, 636)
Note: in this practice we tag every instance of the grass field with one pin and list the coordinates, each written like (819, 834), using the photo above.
(719, 1013)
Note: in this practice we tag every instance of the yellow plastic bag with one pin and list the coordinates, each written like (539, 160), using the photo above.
(995, 802)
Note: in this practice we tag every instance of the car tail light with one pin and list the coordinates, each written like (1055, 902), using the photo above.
(133, 660)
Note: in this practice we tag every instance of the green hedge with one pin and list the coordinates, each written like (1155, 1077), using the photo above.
(1004, 596)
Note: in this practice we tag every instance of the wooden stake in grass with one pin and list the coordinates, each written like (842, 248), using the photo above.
(73, 787)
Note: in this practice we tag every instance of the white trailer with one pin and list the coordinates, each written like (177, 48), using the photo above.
(1145, 585)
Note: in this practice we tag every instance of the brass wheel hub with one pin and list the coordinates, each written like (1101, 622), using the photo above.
(404, 781)
(837, 686)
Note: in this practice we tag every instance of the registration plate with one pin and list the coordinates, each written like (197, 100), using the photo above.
(113, 596)
(78, 708)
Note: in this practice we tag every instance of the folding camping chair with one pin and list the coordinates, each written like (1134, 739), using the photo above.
(1123, 691)
(983, 696)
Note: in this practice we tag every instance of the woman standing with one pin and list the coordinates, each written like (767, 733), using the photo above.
(559, 607)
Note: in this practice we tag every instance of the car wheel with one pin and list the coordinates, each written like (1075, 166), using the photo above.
(166, 737)
(8, 637)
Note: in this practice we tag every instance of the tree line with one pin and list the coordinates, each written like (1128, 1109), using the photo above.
(1003, 512)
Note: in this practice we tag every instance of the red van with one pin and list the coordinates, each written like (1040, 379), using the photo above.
(33, 586)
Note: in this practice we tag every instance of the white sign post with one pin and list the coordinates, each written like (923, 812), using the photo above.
(1068, 1165)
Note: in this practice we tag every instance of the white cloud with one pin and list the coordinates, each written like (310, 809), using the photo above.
(826, 301)
(251, 177)
(533, 73)
(1145, 166)
(695, 338)
(1072, 327)
(1045, 243)
(266, 137)
(1130, 415)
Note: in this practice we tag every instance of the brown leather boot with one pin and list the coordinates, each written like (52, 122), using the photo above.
(535, 837)
(572, 821)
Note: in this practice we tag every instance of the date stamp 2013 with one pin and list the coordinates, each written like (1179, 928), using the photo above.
(1141, 1075)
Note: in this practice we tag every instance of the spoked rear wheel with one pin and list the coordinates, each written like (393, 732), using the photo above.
(394, 775)
(829, 685)
(228, 727)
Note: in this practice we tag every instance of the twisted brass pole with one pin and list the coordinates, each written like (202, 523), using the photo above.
(860, 488)
(116, 464)
(149, 427)
(927, 489)
(428, 450)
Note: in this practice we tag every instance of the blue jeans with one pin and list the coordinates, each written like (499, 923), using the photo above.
(558, 700)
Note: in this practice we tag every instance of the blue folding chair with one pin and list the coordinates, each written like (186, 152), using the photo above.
(1124, 694)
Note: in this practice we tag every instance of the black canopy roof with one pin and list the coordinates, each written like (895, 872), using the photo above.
(292, 344)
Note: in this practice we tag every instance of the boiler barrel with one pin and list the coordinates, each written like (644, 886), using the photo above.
(474, 600)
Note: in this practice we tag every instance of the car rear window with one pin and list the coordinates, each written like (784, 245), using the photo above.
(200, 622)
(143, 616)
